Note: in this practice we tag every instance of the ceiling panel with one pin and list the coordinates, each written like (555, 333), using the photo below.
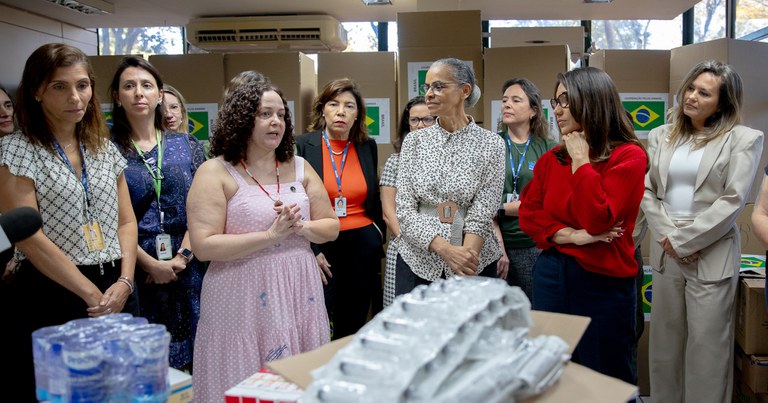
(140, 13)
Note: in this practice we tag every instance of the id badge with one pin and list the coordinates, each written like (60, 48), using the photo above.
(340, 204)
(94, 238)
(163, 247)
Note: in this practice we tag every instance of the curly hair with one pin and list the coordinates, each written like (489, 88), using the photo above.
(234, 127)
(91, 130)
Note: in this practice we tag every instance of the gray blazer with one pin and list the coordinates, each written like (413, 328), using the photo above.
(724, 179)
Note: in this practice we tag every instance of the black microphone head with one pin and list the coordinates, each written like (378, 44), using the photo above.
(20, 223)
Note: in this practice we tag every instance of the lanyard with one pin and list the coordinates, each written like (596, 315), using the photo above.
(333, 160)
(83, 175)
(156, 174)
(516, 174)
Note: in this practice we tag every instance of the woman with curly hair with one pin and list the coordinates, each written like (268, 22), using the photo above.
(253, 211)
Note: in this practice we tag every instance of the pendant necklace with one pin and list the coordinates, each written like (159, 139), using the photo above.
(278, 202)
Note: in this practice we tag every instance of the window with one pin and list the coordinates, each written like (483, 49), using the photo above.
(362, 36)
(533, 23)
(751, 16)
(146, 41)
(637, 34)
(709, 20)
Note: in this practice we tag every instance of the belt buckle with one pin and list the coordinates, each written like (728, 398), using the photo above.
(446, 212)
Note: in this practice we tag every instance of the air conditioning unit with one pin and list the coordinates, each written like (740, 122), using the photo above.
(309, 33)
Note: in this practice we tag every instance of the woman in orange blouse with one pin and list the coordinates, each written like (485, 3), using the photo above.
(339, 149)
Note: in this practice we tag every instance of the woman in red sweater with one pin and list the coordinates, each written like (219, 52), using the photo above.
(580, 208)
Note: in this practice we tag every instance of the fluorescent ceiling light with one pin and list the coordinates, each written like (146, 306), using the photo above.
(377, 2)
(598, 1)
(89, 7)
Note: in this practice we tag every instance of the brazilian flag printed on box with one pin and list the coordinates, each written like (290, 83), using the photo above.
(198, 124)
(647, 291)
(422, 80)
(372, 120)
(646, 115)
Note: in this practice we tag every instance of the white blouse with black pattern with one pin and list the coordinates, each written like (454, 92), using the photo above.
(466, 167)
(60, 195)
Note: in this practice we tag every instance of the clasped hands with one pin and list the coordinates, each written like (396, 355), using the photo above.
(669, 250)
(288, 221)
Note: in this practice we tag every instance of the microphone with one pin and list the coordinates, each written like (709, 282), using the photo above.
(17, 225)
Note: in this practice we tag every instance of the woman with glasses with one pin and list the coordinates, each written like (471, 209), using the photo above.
(527, 138)
(449, 182)
(343, 154)
(175, 110)
(702, 166)
(585, 194)
(415, 116)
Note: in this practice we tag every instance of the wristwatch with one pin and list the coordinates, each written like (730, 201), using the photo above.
(186, 253)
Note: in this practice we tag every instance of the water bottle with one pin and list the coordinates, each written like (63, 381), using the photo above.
(83, 358)
(119, 367)
(149, 345)
(58, 378)
(41, 350)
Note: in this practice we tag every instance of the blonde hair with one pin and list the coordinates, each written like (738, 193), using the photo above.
(169, 89)
(728, 112)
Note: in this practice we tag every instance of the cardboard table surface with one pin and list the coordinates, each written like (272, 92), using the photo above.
(578, 383)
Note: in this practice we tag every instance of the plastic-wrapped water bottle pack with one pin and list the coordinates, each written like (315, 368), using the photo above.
(456, 340)
(115, 358)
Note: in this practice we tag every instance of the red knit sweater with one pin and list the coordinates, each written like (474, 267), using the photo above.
(594, 198)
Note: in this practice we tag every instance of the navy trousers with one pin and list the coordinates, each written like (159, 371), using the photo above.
(561, 285)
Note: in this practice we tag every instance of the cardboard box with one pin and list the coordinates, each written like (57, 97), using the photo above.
(263, 386)
(742, 392)
(749, 59)
(749, 242)
(104, 68)
(541, 66)
(754, 370)
(181, 387)
(577, 384)
(440, 28)
(376, 74)
(292, 72)
(200, 79)
(751, 317)
(413, 63)
(573, 37)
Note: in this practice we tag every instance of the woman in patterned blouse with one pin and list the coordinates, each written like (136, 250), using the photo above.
(415, 116)
(81, 263)
(449, 184)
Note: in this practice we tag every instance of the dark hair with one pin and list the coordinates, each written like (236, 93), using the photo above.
(91, 130)
(359, 131)
(729, 104)
(234, 126)
(594, 103)
(121, 127)
(244, 77)
(405, 127)
(539, 125)
(463, 74)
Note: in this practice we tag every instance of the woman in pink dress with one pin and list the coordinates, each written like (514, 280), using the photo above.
(253, 211)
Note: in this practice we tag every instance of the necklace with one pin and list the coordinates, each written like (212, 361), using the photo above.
(67, 146)
(278, 202)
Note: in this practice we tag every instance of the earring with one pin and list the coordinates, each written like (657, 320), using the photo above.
(119, 104)
(38, 99)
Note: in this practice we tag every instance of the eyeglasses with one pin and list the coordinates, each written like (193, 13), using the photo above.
(427, 120)
(562, 100)
(437, 87)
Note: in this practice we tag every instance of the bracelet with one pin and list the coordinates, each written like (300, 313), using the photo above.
(127, 281)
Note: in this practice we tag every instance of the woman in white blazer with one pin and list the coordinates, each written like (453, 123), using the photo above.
(702, 166)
